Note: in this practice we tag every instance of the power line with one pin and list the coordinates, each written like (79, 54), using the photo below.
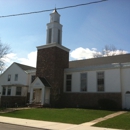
(12, 15)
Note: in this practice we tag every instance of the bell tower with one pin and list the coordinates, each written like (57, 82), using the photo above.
(53, 58)
(54, 29)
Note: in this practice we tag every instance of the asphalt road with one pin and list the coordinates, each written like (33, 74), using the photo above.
(4, 126)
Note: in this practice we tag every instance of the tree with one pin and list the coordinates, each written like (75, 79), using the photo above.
(109, 50)
(4, 50)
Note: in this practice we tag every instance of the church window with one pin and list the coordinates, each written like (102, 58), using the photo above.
(83, 81)
(50, 35)
(68, 82)
(100, 81)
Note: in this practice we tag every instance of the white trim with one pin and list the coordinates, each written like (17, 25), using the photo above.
(53, 45)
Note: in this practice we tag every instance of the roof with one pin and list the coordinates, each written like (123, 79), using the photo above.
(100, 61)
(45, 82)
(25, 67)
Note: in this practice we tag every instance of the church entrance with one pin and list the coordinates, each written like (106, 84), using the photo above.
(40, 92)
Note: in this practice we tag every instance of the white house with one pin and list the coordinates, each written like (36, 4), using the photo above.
(90, 83)
(15, 84)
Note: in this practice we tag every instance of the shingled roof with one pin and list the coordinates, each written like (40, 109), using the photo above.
(25, 67)
(45, 82)
(100, 61)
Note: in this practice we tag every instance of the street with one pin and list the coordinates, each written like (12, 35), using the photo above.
(4, 126)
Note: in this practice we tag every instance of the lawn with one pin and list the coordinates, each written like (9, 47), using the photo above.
(74, 116)
(118, 122)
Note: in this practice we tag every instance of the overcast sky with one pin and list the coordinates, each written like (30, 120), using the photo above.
(86, 29)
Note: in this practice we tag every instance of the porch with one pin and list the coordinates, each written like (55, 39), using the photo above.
(40, 92)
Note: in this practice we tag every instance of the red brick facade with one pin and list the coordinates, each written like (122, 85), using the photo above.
(51, 63)
(90, 100)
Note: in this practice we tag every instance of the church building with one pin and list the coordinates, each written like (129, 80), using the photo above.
(91, 83)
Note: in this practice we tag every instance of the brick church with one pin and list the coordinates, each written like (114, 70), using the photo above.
(83, 83)
(58, 82)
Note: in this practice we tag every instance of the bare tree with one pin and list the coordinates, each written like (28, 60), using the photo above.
(4, 50)
(109, 50)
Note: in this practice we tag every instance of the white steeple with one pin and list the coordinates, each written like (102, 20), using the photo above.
(54, 29)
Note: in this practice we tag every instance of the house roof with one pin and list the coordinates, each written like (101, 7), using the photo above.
(45, 82)
(100, 61)
(25, 67)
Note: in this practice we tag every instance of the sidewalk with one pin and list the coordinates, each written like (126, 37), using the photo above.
(56, 125)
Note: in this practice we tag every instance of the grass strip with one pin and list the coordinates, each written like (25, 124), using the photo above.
(118, 122)
(74, 116)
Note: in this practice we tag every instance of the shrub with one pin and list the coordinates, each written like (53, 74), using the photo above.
(107, 104)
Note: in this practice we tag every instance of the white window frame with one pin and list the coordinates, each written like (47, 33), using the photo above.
(2, 91)
(100, 78)
(66, 87)
(17, 91)
(8, 90)
(16, 77)
(9, 77)
(82, 80)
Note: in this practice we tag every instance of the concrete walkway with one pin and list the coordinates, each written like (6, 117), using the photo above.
(56, 125)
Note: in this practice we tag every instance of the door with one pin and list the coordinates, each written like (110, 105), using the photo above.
(37, 96)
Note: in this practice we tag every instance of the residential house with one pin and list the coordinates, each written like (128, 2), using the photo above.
(15, 84)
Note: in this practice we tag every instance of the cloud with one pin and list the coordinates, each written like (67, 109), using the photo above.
(30, 60)
(115, 52)
(77, 54)
(86, 53)
(12, 57)
(9, 57)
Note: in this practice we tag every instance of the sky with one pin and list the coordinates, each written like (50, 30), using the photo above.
(86, 29)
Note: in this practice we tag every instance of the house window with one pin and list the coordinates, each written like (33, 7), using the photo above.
(100, 81)
(50, 35)
(9, 77)
(4, 91)
(59, 36)
(18, 91)
(16, 77)
(68, 82)
(9, 91)
(33, 78)
(83, 81)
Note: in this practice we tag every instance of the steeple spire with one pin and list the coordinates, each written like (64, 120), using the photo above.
(55, 10)
(54, 29)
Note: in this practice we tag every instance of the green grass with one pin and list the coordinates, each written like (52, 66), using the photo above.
(74, 116)
(118, 122)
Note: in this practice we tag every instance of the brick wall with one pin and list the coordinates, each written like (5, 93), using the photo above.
(89, 100)
(51, 63)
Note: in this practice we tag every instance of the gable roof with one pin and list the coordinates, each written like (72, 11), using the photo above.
(45, 82)
(25, 67)
(100, 61)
